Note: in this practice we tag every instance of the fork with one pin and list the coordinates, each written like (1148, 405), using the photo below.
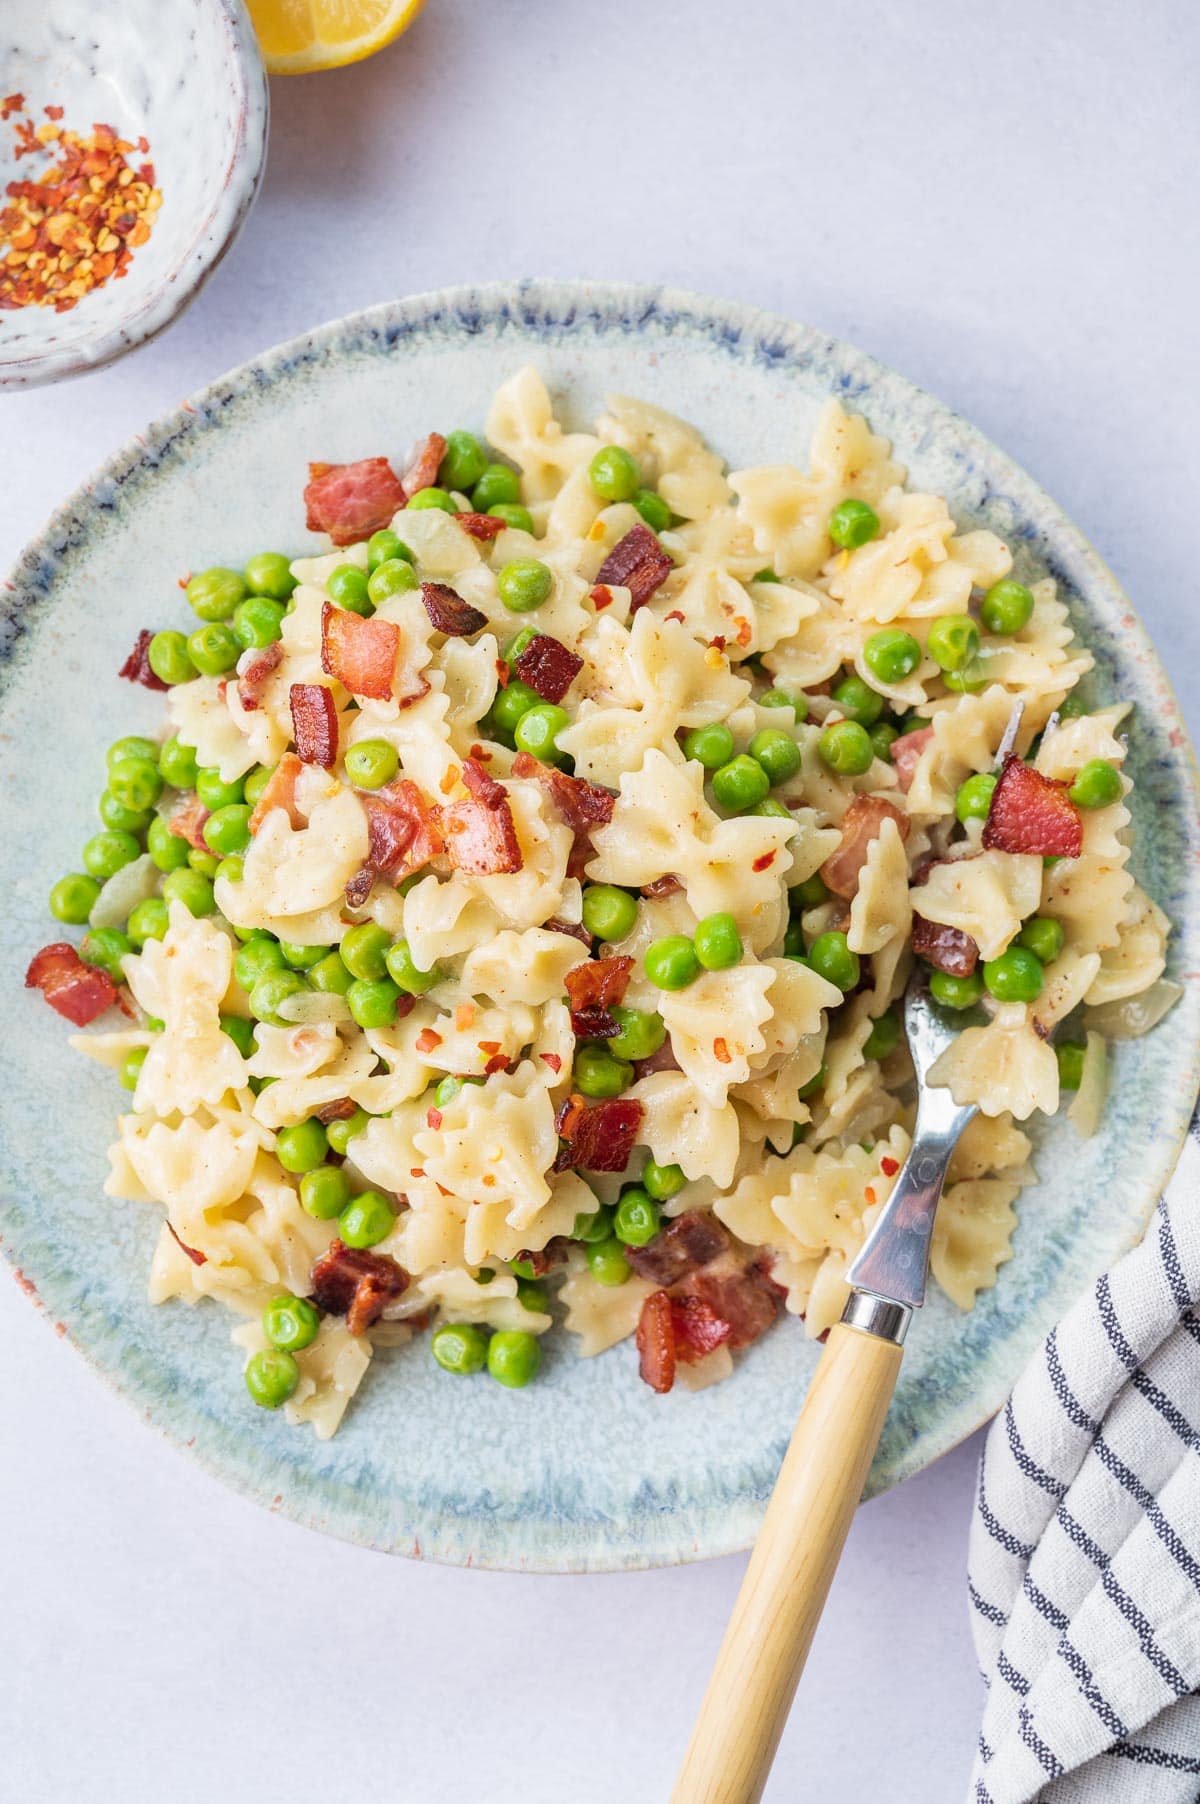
(825, 1467)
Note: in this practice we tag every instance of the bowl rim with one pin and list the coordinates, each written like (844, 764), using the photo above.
(162, 305)
(722, 1527)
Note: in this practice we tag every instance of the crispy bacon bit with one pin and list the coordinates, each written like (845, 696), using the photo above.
(74, 990)
(698, 1328)
(656, 1342)
(583, 805)
(253, 668)
(427, 1040)
(482, 785)
(351, 501)
(637, 563)
(359, 1285)
(860, 824)
(422, 468)
(746, 1301)
(595, 988)
(480, 526)
(449, 613)
(600, 1138)
(682, 1247)
(136, 668)
(906, 753)
(669, 885)
(480, 837)
(188, 821)
(726, 1305)
(763, 862)
(547, 666)
(889, 1167)
(193, 1253)
(552, 1059)
(403, 837)
(1031, 813)
(576, 929)
(315, 722)
(341, 1110)
(601, 597)
(280, 792)
(721, 1051)
(947, 949)
(361, 654)
(433, 1119)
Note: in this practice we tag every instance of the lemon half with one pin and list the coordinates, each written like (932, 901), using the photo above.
(299, 36)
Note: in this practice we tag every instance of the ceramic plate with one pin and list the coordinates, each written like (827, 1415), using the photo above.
(586, 1469)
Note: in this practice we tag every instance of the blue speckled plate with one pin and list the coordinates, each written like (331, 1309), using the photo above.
(586, 1470)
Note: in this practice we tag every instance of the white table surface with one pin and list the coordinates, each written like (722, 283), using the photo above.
(998, 201)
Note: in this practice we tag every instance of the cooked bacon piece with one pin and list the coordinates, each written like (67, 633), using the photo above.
(253, 669)
(1031, 813)
(947, 949)
(680, 1248)
(193, 1253)
(188, 821)
(351, 501)
(656, 1342)
(480, 839)
(583, 805)
(315, 721)
(136, 668)
(359, 1285)
(662, 1060)
(480, 526)
(341, 1110)
(637, 563)
(280, 792)
(906, 752)
(595, 988)
(449, 613)
(662, 886)
(77, 991)
(481, 784)
(699, 1329)
(860, 824)
(745, 1300)
(423, 466)
(360, 654)
(600, 1138)
(547, 666)
(576, 929)
(403, 837)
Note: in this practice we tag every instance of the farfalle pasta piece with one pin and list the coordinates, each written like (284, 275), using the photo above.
(1003, 1067)
(521, 424)
(672, 455)
(1138, 958)
(972, 1236)
(600, 1314)
(881, 909)
(919, 568)
(716, 1026)
(681, 1128)
(986, 897)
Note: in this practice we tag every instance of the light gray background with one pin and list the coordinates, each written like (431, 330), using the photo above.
(1000, 201)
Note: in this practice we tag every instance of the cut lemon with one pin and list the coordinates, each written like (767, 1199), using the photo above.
(299, 36)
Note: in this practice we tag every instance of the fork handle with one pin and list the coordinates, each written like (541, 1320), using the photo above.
(791, 1569)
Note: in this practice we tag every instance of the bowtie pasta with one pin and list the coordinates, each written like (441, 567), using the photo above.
(511, 923)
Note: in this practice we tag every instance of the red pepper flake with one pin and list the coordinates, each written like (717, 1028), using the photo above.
(427, 1039)
(193, 1253)
(448, 781)
(464, 1015)
(677, 614)
(433, 1119)
(418, 1171)
(480, 755)
(488, 1047)
(602, 597)
(745, 631)
(552, 1059)
(503, 673)
(869, 1194)
(53, 112)
(499, 1063)
(889, 1167)
(764, 861)
(721, 1051)
(12, 103)
(718, 642)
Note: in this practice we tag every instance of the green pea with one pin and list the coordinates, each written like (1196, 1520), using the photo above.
(537, 731)
(717, 942)
(831, 958)
(121, 819)
(347, 588)
(227, 830)
(131, 1066)
(710, 746)
(207, 863)
(858, 701)
(433, 497)
(396, 577)
(1044, 937)
(784, 698)
(302, 958)
(269, 574)
(638, 1217)
(741, 783)
(177, 765)
(1070, 1056)
(777, 752)
(372, 762)
(533, 1297)
(366, 1220)
(955, 992)
(1007, 607)
(514, 515)
(271, 1377)
(104, 854)
(291, 1323)
(364, 951)
(524, 584)
(386, 546)
(608, 913)
(241, 1032)
(891, 654)
(498, 484)
(135, 783)
(232, 869)
(883, 1038)
(597, 1073)
(213, 594)
(521, 1268)
(132, 745)
(671, 963)
(449, 1088)
(330, 976)
(463, 462)
(372, 1001)
(324, 1191)
(460, 1347)
(1098, 785)
(662, 1181)
(809, 894)
(148, 921)
(271, 990)
(640, 1034)
(214, 792)
(255, 959)
(1016, 976)
(169, 658)
(953, 641)
(614, 474)
(214, 649)
(106, 947)
(607, 1262)
(512, 703)
(257, 622)
(853, 523)
(974, 799)
(653, 509)
(816, 1082)
(594, 1225)
(967, 681)
(915, 723)
(341, 1133)
(73, 899)
(883, 736)
(776, 810)
(765, 576)
(301, 1147)
(845, 747)
(190, 888)
(256, 782)
(513, 1358)
(403, 970)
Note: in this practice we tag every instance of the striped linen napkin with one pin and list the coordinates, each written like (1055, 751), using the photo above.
(1084, 1559)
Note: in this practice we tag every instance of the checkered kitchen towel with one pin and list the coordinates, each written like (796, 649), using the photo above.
(1085, 1547)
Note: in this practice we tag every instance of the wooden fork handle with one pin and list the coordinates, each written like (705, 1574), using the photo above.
(790, 1571)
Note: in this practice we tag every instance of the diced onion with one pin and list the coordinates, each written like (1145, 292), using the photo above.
(133, 883)
(1132, 1016)
(1088, 1104)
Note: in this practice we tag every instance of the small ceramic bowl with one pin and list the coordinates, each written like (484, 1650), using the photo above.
(189, 79)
